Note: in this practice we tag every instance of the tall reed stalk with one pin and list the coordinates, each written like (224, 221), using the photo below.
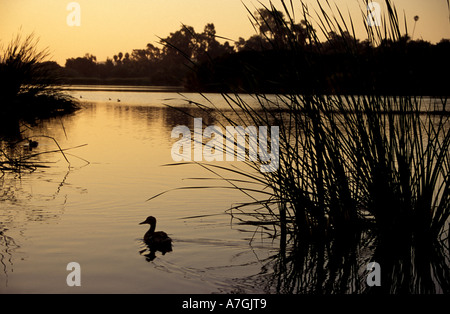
(28, 87)
(372, 170)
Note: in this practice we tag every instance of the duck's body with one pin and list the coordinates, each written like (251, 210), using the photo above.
(156, 240)
(33, 144)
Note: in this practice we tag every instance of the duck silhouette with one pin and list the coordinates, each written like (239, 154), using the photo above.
(156, 240)
(31, 144)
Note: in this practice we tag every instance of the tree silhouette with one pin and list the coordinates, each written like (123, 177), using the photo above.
(85, 66)
(280, 32)
(281, 53)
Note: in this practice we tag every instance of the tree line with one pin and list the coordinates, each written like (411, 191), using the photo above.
(164, 65)
(282, 56)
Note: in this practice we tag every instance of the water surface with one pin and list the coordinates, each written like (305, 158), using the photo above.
(89, 211)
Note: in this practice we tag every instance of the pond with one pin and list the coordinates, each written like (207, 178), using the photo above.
(110, 165)
(89, 211)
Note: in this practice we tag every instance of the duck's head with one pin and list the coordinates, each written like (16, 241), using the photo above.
(150, 220)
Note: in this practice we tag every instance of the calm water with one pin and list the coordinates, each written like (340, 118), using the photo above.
(89, 211)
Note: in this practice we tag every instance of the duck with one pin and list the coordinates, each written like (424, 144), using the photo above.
(32, 144)
(156, 240)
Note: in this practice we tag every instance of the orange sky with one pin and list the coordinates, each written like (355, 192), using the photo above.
(112, 26)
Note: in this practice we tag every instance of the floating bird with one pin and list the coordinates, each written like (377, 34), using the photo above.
(156, 241)
(31, 144)
(118, 100)
(81, 96)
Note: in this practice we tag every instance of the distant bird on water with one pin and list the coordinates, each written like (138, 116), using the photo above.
(156, 241)
(118, 100)
(31, 144)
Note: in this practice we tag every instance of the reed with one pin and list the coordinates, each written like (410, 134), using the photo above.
(28, 87)
(371, 169)
(20, 156)
(352, 160)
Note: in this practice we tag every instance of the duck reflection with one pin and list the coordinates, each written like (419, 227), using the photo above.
(155, 240)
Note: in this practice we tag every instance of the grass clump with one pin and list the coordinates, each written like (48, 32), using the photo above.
(28, 86)
(29, 92)
(361, 177)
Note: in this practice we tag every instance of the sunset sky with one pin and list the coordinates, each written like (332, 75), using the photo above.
(112, 26)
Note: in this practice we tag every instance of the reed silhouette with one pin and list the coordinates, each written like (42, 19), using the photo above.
(362, 177)
(28, 84)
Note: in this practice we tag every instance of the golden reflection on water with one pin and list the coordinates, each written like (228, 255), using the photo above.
(87, 211)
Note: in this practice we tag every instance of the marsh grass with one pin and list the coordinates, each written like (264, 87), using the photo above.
(361, 177)
(29, 93)
(20, 156)
(28, 87)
